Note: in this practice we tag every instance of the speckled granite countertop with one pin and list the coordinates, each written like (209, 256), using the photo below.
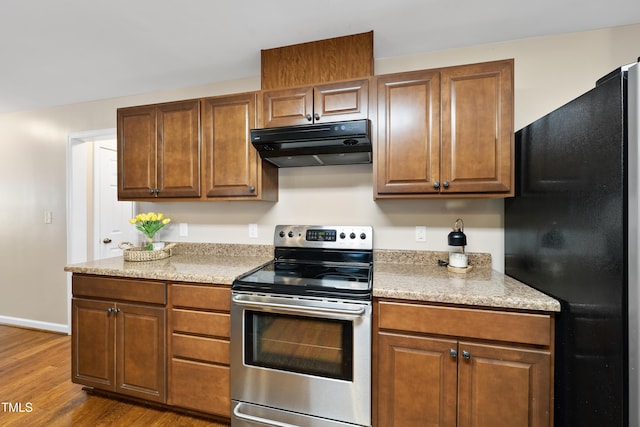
(410, 275)
(417, 276)
(200, 263)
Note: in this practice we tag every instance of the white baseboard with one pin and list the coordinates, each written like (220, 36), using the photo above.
(35, 324)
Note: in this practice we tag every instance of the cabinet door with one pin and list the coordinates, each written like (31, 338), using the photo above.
(136, 152)
(341, 101)
(287, 107)
(141, 351)
(92, 356)
(408, 148)
(321, 104)
(178, 149)
(502, 386)
(231, 164)
(416, 381)
(477, 128)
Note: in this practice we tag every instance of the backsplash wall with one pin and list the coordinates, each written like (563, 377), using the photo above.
(327, 195)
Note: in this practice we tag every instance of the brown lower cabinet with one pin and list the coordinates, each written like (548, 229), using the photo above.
(125, 341)
(434, 365)
(119, 336)
(447, 366)
(199, 332)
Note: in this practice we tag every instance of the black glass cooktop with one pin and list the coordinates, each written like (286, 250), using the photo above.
(309, 278)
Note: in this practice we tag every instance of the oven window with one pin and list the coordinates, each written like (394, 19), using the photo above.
(307, 345)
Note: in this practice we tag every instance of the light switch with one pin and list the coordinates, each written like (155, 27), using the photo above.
(184, 229)
(253, 231)
(48, 217)
(421, 233)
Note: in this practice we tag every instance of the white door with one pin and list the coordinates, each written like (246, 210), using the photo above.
(111, 216)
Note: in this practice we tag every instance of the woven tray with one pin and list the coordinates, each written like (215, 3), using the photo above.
(135, 253)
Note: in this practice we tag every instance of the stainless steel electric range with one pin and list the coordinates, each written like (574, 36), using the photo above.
(301, 331)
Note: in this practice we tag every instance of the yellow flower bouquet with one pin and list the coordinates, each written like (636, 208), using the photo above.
(149, 224)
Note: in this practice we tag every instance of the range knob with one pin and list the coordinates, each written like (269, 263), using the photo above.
(281, 234)
(342, 235)
(363, 236)
(290, 234)
(352, 235)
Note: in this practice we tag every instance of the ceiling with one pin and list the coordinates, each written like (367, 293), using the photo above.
(68, 51)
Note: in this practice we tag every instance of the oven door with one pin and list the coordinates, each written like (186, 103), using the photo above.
(306, 355)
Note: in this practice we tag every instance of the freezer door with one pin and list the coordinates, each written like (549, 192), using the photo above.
(566, 234)
(633, 109)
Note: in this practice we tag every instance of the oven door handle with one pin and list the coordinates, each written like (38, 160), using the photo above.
(259, 420)
(312, 310)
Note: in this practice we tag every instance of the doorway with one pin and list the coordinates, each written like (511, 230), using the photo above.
(85, 201)
(110, 217)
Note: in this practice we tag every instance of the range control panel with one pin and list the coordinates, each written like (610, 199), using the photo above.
(324, 236)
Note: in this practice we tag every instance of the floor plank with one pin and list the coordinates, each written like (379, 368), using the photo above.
(36, 389)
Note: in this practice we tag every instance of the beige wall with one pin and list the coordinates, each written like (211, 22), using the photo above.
(33, 145)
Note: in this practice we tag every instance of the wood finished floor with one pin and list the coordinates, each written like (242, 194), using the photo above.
(35, 372)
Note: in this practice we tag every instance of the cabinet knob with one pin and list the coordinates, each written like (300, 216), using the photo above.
(316, 116)
(436, 184)
(106, 240)
(110, 310)
(453, 352)
(446, 184)
(309, 117)
(466, 355)
(151, 191)
(157, 190)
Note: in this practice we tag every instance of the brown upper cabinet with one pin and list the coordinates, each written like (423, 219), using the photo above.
(446, 131)
(232, 168)
(316, 104)
(159, 151)
(323, 61)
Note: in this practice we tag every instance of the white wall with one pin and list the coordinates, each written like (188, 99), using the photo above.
(549, 72)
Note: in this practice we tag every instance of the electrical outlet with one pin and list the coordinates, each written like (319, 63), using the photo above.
(421, 233)
(253, 231)
(184, 229)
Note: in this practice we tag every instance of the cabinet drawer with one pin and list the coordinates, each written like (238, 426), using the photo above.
(205, 297)
(527, 328)
(200, 386)
(198, 322)
(119, 289)
(200, 348)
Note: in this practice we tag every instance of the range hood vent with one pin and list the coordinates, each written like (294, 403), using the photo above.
(337, 143)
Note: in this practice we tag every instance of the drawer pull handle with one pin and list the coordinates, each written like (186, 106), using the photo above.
(258, 420)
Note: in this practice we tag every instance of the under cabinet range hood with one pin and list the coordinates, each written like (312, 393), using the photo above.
(337, 143)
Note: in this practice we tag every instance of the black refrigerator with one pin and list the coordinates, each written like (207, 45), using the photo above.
(571, 231)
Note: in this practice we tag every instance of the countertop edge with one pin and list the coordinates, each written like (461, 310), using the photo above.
(405, 275)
